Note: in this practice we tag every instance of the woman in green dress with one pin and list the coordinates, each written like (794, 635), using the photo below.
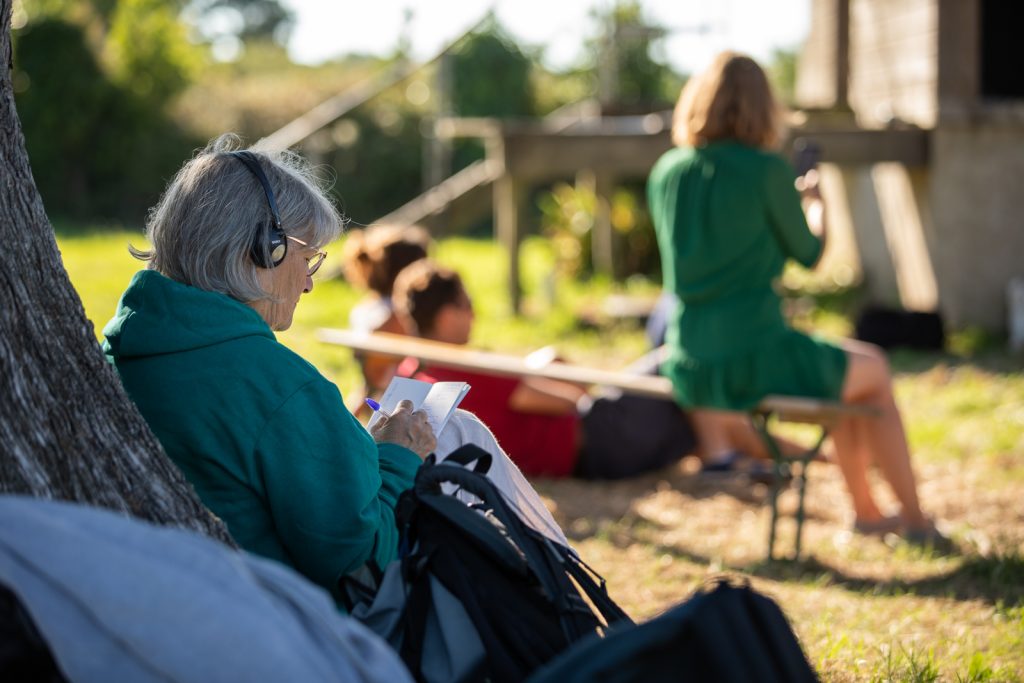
(728, 215)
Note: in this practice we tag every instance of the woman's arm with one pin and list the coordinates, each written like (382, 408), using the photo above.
(814, 208)
(331, 490)
(543, 396)
(787, 211)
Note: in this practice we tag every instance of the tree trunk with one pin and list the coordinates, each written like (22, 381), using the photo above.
(67, 429)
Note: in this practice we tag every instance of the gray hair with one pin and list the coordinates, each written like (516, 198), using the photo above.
(203, 227)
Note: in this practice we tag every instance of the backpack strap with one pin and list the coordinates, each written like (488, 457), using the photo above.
(467, 454)
(584, 575)
(547, 563)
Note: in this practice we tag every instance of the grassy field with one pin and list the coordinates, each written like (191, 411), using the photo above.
(865, 609)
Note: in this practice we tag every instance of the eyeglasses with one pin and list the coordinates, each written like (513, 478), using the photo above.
(314, 262)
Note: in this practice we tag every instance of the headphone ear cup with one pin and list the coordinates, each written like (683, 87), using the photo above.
(269, 246)
(277, 246)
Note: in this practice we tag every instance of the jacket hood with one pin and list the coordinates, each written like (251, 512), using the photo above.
(157, 315)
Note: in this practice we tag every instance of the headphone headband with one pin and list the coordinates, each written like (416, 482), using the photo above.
(271, 242)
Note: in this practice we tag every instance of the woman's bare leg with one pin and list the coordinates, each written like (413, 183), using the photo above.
(853, 459)
(881, 438)
(713, 434)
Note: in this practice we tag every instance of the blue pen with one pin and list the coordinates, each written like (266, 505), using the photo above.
(376, 408)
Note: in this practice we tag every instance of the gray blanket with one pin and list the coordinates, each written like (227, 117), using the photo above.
(117, 599)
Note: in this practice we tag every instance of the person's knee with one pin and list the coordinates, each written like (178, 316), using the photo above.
(869, 377)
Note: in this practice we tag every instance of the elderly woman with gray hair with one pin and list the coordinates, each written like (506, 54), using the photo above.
(263, 437)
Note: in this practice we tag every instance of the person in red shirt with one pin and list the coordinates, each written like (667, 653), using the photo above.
(547, 427)
(371, 260)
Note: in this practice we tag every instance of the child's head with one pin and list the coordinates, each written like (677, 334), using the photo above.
(432, 302)
(374, 257)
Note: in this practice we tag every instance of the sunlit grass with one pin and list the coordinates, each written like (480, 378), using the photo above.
(864, 610)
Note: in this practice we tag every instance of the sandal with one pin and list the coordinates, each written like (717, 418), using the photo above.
(735, 463)
(878, 527)
(927, 536)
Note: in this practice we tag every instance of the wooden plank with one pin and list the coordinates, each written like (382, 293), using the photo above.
(788, 408)
(811, 410)
(459, 357)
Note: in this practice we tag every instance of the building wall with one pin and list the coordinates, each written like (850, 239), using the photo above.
(816, 86)
(977, 198)
(949, 235)
(894, 61)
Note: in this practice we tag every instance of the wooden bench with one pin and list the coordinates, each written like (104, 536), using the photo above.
(824, 414)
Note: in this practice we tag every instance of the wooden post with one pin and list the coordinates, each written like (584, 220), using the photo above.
(603, 241)
(508, 195)
(602, 249)
(842, 84)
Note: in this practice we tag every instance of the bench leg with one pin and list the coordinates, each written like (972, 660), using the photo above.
(805, 460)
(761, 422)
(781, 465)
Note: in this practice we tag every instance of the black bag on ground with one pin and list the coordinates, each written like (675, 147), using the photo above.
(476, 594)
(727, 633)
(891, 328)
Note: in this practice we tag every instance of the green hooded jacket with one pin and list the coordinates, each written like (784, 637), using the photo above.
(263, 437)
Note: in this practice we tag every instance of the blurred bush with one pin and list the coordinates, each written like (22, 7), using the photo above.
(99, 150)
(568, 216)
(149, 51)
(92, 82)
(377, 158)
(491, 76)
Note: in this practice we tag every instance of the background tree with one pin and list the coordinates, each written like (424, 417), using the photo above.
(629, 79)
(67, 429)
(93, 85)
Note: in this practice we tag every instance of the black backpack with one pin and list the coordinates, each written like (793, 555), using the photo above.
(723, 633)
(476, 594)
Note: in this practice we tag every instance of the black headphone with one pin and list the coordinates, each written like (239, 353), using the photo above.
(270, 244)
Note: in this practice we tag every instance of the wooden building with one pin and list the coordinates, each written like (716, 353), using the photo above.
(948, 234)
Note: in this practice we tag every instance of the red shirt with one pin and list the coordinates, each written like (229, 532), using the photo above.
(541, 445)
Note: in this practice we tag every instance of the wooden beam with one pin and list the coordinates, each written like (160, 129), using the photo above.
(858, 146)
(811, 410)
(460, 357)
(787, 408)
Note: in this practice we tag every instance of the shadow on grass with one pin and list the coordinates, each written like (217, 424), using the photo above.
(575, 499)
(998, 579)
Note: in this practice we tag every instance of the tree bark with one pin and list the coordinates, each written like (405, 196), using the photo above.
(67, 428)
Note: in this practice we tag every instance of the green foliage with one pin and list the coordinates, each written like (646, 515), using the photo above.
(568, 215)
(58, 75)
(633, 80)
(637, 247)
(149, 51)
(99, 147)
(552, 91)
(977, 671)
(378, 165)
(255, 20)
(782, 74)
(491, 77)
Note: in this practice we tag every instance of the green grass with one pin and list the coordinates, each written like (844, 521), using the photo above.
(864, 611)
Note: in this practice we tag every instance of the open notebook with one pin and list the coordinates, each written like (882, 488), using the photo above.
(438, 400)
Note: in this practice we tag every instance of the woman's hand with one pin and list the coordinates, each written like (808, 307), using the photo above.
(813, 204)
(807, 185)
(407, 428)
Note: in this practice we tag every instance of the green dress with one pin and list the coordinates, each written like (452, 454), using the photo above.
(727, 217)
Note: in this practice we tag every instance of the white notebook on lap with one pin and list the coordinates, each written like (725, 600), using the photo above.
(438, 400)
